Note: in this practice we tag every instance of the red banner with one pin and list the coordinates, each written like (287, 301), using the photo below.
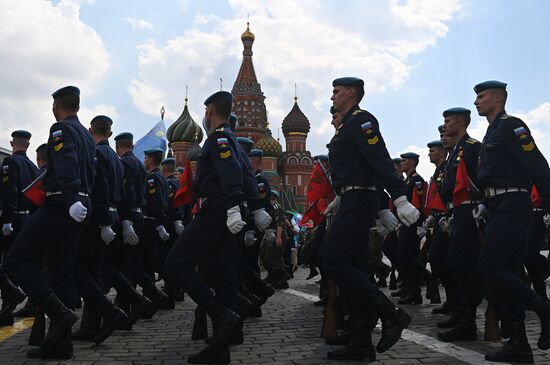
(461, 191)
(313, 213)
(433, 200)
(318, 186)
(184, 195)
(417, 198)
(536, 199)
(35, 191)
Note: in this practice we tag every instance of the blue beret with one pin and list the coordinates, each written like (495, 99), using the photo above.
(396, 160)
(441, 128)
(21, 134)
(220, 95)
(492, 84)
(410, 155)
(275, 194)
(348, 81)
(180, 169)
(153, 151)
(168, 161)
(321, 157)
(244, 140)
(256, 153)
(124, 136)
(233, 122)
(67, 90)
(454, 111)
(436, 143)
(102, 118)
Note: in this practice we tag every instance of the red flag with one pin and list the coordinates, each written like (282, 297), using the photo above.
(35, 191)
(312, 213)
(418, 196)
(433, 199)
(536, 199)
(461, 191)
(184, 195)
(318, 186)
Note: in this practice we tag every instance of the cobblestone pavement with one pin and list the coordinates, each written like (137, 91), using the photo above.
(288, 333)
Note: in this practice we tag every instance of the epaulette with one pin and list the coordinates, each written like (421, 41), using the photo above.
(472, 141)
(506, 116)
(358, 111)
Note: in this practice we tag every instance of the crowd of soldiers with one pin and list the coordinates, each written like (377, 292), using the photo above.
(113, 224)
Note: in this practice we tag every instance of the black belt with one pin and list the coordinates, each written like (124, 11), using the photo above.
(492, 192)
(53, 193)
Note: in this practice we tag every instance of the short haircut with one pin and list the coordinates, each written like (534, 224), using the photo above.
(222, 108)
(69, 102)
(101, 128)
(359, 92)
(157, 158)
(169, 167)
(18, 141)
(466, 119)
(124, 143)
(42, 151)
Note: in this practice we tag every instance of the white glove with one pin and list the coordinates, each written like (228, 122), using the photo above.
(546, 220)
(128, 233)
(107, 234)
(479, 212)
(178, 227)
(162, 233)
(249, 238)
(382, 231)
(332, 208)
(429, 222)
(78, 212)
(269, 235)
(7, 229)
(234, 221)
(262, 219)
(421, 232)
(387, 220)
(406, 212)
(446, 224)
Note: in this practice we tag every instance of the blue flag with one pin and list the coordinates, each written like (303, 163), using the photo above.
(155, 138)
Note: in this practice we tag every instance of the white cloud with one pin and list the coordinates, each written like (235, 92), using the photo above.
(139, 24)
(44, 47)
(296, 42)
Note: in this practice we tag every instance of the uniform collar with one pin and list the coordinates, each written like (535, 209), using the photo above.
(350, 113)
(460, 143)
(105, 141)
(224, 127)
(23, 153)
(128, 153)
(156, 169)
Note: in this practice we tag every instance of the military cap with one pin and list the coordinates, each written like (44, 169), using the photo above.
(275, 194)
(492, 84)
(441, 128)
(21, 134)
(180, 169)
(410, 155)
(124, 136)
(348, 81)
(436, 143)
(233, 122)
(396, 160)
(168, 161)
(153, 151)
(244, 140)
(321, 157)
(102, 118)
(256, 153)
(67, 90)
(454, 111)
(219, 95)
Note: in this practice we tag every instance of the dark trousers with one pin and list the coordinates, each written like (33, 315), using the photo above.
(408, 255)
(18, 222)
(205, 236)
(465, 250)
(389, 248)
(500, 256)
(272, 260)
(143, 259)
(535, 263)
(439, 257)
(345, 260)
(50, 229)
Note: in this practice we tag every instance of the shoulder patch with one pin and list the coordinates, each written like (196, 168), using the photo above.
(223, 148)
(368, 131)
(525, 139)
(57, 133)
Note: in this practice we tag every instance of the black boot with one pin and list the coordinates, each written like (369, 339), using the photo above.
(465, 330)
(11, 297)
(89, 325)
(211, 355)
(61, 350)
(414, 296)
(312, 273)
(451, 322)
(62, 320)
(245, 306)
(450, 302)
(223, 319)
(110, 323)
(517, 349)
(542, 308)
(359, 347)
(28, 310)
(393, 281)
(394, 321)
(138, 310)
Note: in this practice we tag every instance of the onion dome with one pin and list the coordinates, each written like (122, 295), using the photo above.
(248, 35)
(194, 152)
(269, 145)
(184, 129)
(295, 121)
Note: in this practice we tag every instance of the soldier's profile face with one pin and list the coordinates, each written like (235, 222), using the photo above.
(340, 97)
(485, 102)
(452, 124)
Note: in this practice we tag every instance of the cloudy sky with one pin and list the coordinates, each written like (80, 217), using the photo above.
(417, 57)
